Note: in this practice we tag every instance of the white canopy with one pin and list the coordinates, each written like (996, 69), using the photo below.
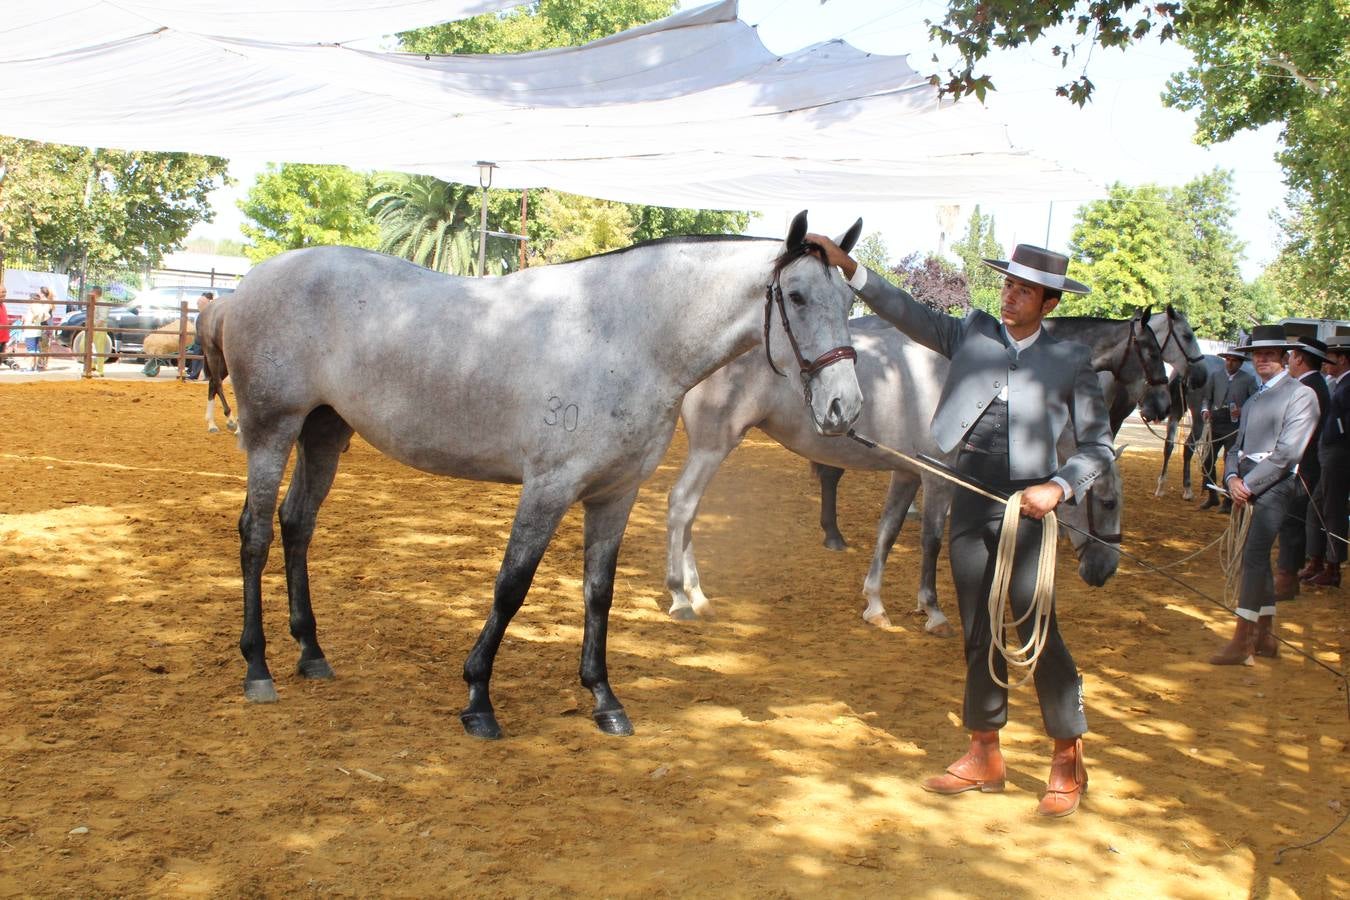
(689, 111)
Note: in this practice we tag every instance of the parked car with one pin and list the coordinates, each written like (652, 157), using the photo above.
(127, 325)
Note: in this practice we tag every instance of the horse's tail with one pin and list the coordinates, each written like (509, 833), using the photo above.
(210, 335)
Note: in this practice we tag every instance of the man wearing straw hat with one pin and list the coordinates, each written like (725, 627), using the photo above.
(1221, 407)
(1326, 512)
(1259, 472)
(1012, 389)
(1305, 366)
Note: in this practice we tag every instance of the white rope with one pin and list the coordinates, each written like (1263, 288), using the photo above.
(1001, 623)
(1231, 542)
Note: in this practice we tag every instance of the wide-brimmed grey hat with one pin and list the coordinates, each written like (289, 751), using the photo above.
(1233, 352)
(1339, 343)
(1312, 346)
(1039, 266)
(1266, 337)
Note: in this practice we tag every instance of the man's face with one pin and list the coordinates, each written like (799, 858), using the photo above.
(1268, 362)
(1232, 364)
(1024, 304)
(1338, 363)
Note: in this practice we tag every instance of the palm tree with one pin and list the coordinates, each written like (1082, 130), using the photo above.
(427, 221)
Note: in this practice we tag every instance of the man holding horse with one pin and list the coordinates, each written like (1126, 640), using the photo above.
(1222, 409)
(1011, 391)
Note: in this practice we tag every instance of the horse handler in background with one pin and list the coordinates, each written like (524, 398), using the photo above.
(1259, 470)
(1011, 391)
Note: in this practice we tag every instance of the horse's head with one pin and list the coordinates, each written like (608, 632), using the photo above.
(1098, 561)
(813, 303)
(1180, 348)
(1156, 402)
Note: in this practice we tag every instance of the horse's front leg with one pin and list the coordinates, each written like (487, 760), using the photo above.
(541, 508)
(1187, 451)
(937, 501)
(605, 524)
(1172, 430)
(829, 499)
(899, 497)
(687, 600)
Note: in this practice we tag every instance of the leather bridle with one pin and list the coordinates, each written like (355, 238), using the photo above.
(1138, 349)
(1171, 336)
(1092, 525)
(809, 370)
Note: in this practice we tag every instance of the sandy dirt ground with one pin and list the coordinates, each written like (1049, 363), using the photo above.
(779, 748)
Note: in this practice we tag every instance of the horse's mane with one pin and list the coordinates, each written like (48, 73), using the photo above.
(796, 252)
(674, 239)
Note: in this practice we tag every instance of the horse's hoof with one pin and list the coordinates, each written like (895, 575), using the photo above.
(481, 725)
(683, 614)
(613, 721)
(233, 426)
(212, 430)
(880, 620)
(942, 630)
(261, 690)
(1188, 494)
(315, 668)
(833, 542)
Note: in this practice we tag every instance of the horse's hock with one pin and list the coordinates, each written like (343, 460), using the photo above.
(779, 748)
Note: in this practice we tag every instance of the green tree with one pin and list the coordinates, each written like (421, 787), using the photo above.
(979, 243)
(301, 205)
(583, 225)
(428, 221)
(547, 24)
(1123, 247)
(116, 207)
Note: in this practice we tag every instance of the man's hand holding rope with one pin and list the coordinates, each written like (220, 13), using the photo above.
(1040, 499)
(1238, 490)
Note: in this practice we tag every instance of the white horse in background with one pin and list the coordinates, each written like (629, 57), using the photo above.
(566, 379)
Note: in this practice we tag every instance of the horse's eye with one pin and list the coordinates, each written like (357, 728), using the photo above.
(1109, 504)
(796, 298)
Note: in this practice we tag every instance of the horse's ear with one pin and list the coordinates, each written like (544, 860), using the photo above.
(1171, 312)
(850, 237)
(797, 230)
(1145, 314)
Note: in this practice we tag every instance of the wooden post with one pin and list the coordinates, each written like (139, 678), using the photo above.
(524, 199)
(182, 335)
(90, 308)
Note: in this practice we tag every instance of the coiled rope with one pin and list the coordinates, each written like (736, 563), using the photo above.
(1231, 543)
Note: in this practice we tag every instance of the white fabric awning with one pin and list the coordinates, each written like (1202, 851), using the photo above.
(689, 111)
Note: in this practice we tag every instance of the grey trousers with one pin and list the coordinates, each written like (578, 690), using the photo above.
(1224, 435)
(1294, 528)
(1256, 590)
(976, 523)
(1328, 504)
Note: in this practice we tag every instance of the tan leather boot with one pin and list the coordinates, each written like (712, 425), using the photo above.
(981, 769)
(1286, 585)
(1239, 650)
(1312, 569)
(1266, 643)
(1068, 780)
(1330, 576)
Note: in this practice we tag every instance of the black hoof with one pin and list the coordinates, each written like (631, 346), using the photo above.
(260, 691)
(683, 614)
(315, 668)
(833, 542)
(481, 725)
(614, 721)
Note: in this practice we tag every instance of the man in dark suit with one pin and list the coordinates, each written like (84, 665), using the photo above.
(1221, 406)
(1275, 430)
(1305, 367)
(1326, 511)
(1011, 391)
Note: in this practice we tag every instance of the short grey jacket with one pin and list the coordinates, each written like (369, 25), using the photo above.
(1222, 392)
(1050, 384)
(1279, 422)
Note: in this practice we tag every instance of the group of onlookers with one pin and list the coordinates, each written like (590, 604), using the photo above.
(32, 334)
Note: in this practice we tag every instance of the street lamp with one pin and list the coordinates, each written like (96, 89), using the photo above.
(484, 182)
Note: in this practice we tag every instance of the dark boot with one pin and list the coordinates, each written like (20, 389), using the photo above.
(981, 769)
(1312, 569)
(1239, 650)
(1068, 780)
(1226, 507)
(1266, 643)
(1286, 585)
(1211, 500)
(1330, 576)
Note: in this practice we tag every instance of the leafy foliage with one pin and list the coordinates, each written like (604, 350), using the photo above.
(120, 208)
(426, 220)
(583, 225)
(536, 26)
(979, 243)
(934, 282)
(300, 205)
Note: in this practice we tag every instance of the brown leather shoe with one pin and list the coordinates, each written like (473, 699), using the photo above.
(1312, 569)
(1330, 576)
(1286, 585)
(1068, 780)
(981, 769)
(1266, 643)
(1239, 650)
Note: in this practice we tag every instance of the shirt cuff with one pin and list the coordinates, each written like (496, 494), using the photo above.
(859, 278)
(1068, 491)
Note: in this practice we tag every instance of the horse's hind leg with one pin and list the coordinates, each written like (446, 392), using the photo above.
(267, 455)
(322, 440)
(937, 501)
(541, 508)
(1172, 430)
(829, 498)
(687, 600)
(605, 523)
(899, 497)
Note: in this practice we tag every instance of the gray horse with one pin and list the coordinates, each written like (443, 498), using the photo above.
(1188, 399)
(901, 380)
(565, 379)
